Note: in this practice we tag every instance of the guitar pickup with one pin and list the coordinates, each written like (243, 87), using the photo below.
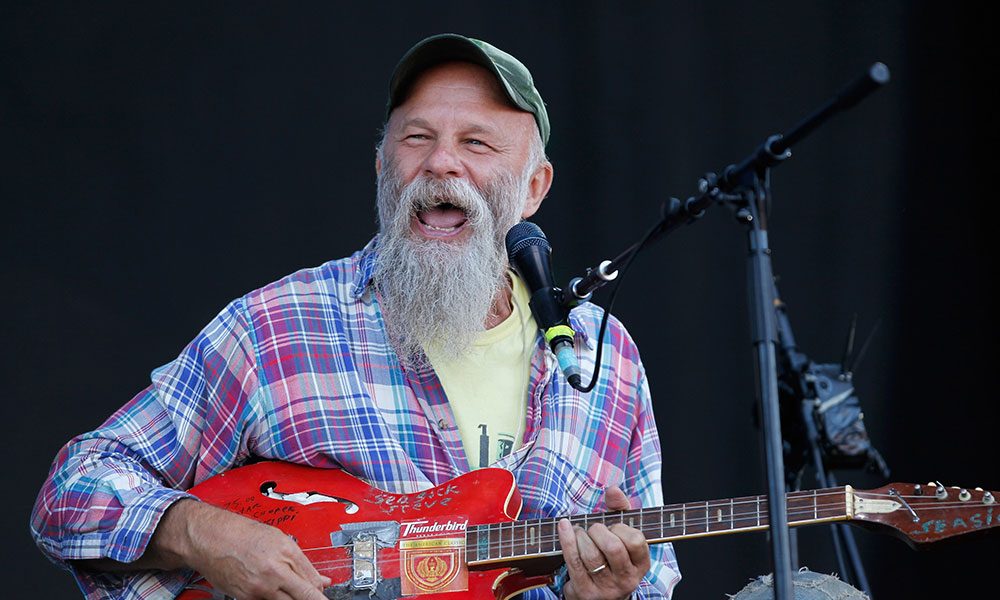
(365, 575)
(363, 541)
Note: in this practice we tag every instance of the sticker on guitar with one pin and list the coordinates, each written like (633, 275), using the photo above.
(432, 555)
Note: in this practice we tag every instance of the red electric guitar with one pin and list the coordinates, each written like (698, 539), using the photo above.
(461, 539)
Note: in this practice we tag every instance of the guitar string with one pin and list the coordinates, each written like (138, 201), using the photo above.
(700, 521)
(717, 504)
(690, 523)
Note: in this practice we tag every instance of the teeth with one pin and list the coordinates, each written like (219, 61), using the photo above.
(445, 229)
(441, 229)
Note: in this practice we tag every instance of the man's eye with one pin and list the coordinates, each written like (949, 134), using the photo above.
(475, 142)
(416, 136)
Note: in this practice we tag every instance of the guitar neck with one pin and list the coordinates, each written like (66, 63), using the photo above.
(535, 538)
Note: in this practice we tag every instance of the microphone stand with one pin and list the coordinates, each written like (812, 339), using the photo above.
(746, 188)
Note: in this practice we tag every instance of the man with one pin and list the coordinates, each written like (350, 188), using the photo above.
(396, 364)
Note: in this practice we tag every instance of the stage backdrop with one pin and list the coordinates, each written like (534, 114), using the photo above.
(158, 161)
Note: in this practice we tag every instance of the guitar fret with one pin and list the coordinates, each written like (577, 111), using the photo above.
(480, 548)
(732, 521)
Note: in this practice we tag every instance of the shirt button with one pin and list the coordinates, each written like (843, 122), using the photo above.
(442, 424)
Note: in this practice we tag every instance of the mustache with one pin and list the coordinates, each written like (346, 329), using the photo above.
(425, 194)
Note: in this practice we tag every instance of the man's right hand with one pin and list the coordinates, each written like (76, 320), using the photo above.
(238, 556)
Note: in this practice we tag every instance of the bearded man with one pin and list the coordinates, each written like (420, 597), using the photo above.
(407, 364)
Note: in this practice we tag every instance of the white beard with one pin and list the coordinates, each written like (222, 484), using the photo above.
(437, 295)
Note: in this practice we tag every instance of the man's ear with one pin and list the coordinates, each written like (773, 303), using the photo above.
(378, 163)
(538, 188)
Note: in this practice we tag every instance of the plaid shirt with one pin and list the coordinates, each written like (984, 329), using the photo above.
(301, 371)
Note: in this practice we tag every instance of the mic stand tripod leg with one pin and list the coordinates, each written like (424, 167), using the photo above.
(839, 531)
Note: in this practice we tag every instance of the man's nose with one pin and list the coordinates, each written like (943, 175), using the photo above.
(442, 162)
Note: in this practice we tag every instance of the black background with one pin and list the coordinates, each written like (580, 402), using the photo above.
(160, 160)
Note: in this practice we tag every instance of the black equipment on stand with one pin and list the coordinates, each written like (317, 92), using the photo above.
(745, 188)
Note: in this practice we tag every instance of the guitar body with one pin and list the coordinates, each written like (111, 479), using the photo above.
(322, 527)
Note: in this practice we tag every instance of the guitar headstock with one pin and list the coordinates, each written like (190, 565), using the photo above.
(928, 513)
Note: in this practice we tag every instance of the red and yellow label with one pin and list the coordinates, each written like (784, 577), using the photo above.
(432, 556)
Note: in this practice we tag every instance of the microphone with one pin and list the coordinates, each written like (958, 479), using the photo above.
(530, 255)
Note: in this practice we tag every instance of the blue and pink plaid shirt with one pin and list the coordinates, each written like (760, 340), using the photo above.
(301, 371)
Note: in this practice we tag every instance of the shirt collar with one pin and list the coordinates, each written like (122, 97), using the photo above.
(365, 269)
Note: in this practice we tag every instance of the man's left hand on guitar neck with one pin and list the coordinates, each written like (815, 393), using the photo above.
(604, 563)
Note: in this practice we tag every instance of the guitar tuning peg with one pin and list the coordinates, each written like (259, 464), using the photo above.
(988, 498)
(940, 493)
(964, 495)
(918, 490)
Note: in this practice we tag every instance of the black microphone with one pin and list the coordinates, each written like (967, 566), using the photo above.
(529, 253)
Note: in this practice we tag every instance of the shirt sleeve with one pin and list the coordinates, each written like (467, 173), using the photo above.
(642, 481)
(107, 489)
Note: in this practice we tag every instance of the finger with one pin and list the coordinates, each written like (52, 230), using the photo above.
(615, 499)
(304, 588)
(304, 568)
(611, 548)
(571, 554)
(635, 543)
(591, 556)
(298, 588)
(305, 591)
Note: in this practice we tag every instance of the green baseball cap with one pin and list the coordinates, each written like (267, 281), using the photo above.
(513, 76)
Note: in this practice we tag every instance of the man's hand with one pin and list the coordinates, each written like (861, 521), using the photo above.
(240, 557)
(604, 563)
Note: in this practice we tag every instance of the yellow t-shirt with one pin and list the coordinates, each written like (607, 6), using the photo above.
(487, 387)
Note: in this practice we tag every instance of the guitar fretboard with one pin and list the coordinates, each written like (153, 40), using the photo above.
(535, 538)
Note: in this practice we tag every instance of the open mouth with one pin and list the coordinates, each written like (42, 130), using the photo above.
(442, 220)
